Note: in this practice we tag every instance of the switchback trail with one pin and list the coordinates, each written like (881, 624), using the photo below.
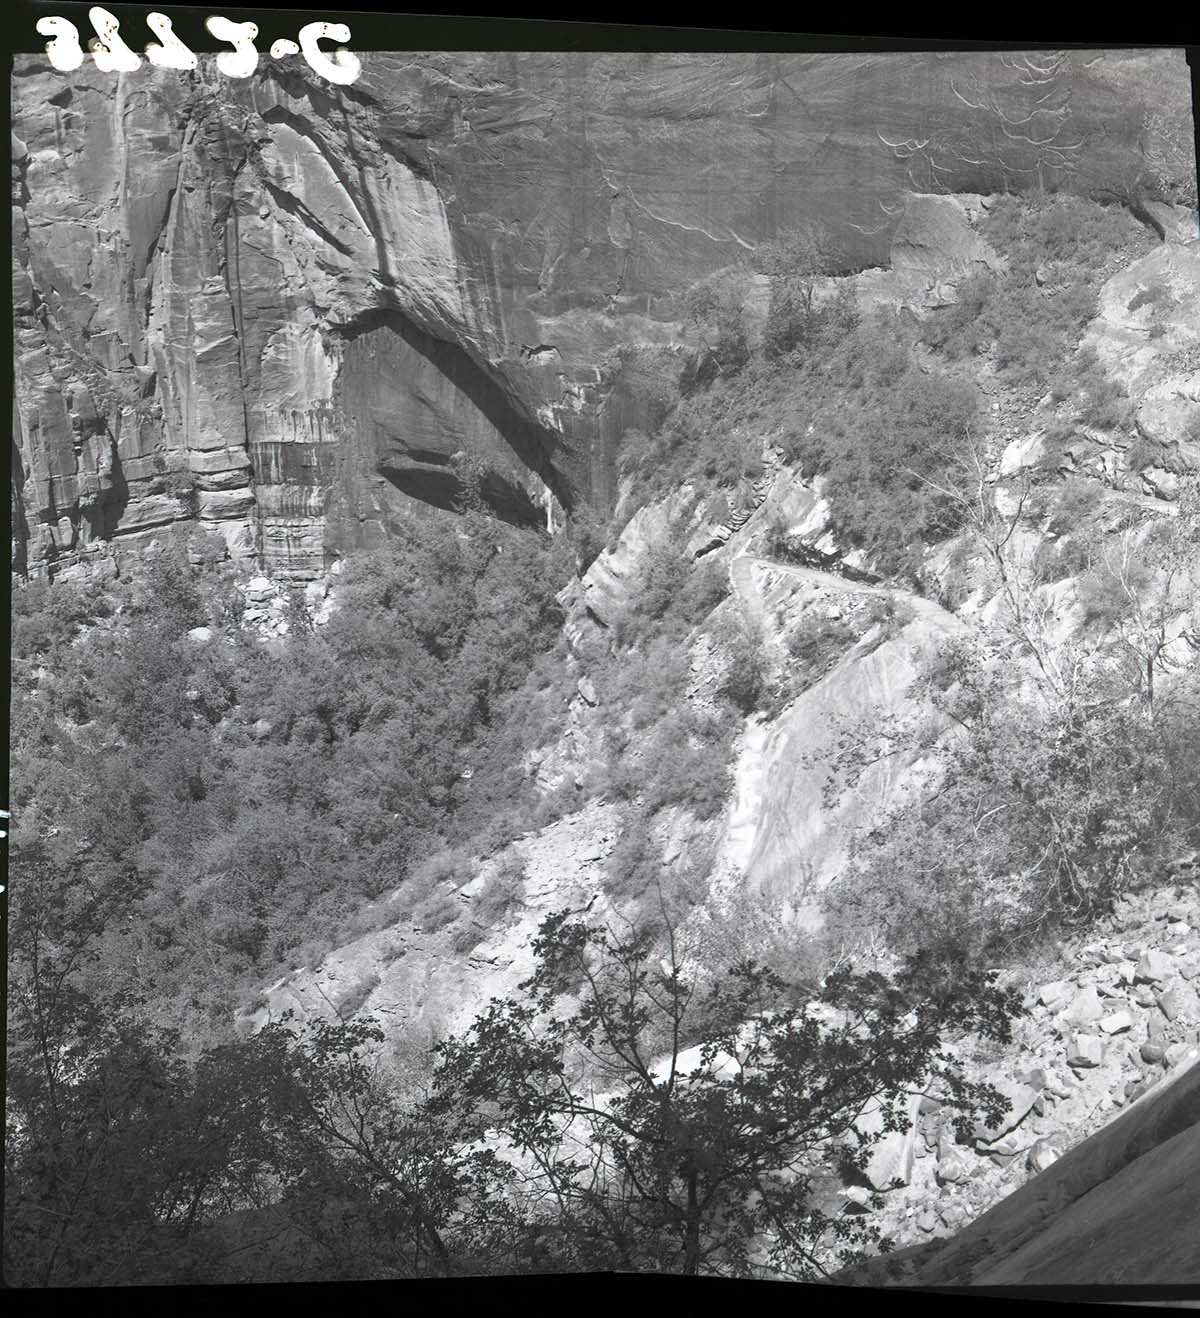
(742, 578)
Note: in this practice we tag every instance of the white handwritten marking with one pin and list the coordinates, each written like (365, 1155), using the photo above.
(244, 60)
(108, 48)
(64, 51)
(341, 67)
(172, 53)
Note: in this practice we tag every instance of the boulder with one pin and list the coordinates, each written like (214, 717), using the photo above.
(1021, 1098)
(891, 1158)
(200, 635)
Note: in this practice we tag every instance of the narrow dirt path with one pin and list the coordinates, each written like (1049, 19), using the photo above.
(742, 579)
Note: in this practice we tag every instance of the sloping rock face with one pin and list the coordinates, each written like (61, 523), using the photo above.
(423, 984)
(288, 311)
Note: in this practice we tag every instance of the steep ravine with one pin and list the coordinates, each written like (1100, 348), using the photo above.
(1113, 1015)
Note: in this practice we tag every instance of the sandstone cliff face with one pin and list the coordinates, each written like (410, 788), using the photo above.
(287, 311)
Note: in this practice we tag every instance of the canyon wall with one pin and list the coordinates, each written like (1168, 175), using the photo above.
(294, 314)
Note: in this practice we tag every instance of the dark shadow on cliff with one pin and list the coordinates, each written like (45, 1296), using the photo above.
(443, 489)
(535, 445)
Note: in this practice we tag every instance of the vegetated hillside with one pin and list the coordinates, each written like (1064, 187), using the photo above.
(890, 662)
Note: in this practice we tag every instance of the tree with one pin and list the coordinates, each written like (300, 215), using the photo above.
(125, 1162)
(1151, 578)
(795, 262)
(654, 1127)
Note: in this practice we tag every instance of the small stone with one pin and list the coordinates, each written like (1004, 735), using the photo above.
(1179, 929)
(261, 728)
(1021, 1098)
(1136, 1088)
(1053, 995)
(1035, 1077)
(1154, 966)
(927, 1222)
(1042, 1155)
(951, 1166)
(1152, 1052)
(1085, 1007)
(1156, 1024)
(200, 635)
(1170, 1003)
(1117, 1023)
(1177, 1052)
(1085, 1051)
(1016, 1141)
(857, 1194)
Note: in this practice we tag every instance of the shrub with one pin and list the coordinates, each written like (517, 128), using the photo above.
(1063, 243)
(47, 617)
(817, 638)
(632, 865)
(716, 306)
(744, 680)
(503, 889)
(1143, 453)
(1078, 499)
(1104, 597)
(798, 322)
(439, 910)
(1155, 294)
(354, 998)
(671, 594)
(684, 761)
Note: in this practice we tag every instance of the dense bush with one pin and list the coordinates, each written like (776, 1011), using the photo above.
(1045, 810)
(1078, 499)
(503, 889)
(1104, 402)
(1058, 250)
(744, 680)
(817, 638)
(141, 750)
